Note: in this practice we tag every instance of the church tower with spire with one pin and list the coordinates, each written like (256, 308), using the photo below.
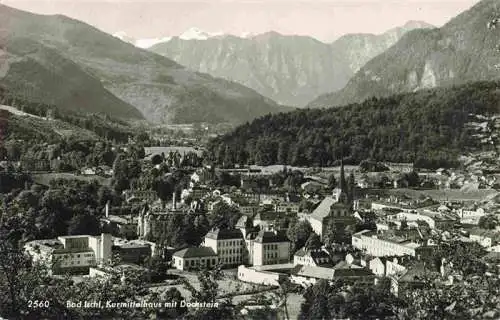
(340, 194)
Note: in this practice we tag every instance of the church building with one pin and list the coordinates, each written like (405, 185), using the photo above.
(336, 209)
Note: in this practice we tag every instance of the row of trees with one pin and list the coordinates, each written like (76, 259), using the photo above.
(427, 127)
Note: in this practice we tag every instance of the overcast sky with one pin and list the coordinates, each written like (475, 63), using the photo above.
(322, 19)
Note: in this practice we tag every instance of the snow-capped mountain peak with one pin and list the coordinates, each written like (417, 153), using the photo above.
(148, 43)
(247, 35)
(197, 34)
(124, 37)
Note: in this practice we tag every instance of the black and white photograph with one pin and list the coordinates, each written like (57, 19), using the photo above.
(250, 159)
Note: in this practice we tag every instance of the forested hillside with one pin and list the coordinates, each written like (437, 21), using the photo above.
(427, 127)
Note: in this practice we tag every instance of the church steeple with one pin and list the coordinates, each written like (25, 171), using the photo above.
(341, 193)
(342, 182)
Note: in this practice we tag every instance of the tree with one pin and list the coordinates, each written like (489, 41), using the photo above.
(332, 182)
(156, 159)
(488, 222)
(313, 242)
(209, 293)
(84, 224)
(404, 225)
(224, 216)
(298, 233)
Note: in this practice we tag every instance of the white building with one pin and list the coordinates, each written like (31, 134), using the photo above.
(194, 258)
(377, 245)
(469, 216)
(483, 237)
(315, 258)
(229, 246)
(71, 253)
(263, 277)
(268, 247)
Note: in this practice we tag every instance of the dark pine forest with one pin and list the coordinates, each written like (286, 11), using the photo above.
(427, 128)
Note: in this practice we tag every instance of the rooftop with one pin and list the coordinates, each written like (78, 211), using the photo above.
(195, 252)
(323, 210)
(271, 236)
(224, 234)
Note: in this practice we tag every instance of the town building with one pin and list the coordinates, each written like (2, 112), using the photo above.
(228, 244)
(263, 277)
(152, 221)
(268, 247)
(470, 216)
(435, 220)
(71, 254)
(379, 245)
(194, 258)
(315, 258)
(485, 238)
(309, 275)
(336, 209)
(133, 251)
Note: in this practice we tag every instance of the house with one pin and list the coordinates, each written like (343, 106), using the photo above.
(88, 171)
(365, 182)
(385, 266)
(194, 258)
(442, 172)
(267, 220)
(228, 244)
(435, 220)
(411, 279)
(286, 207)
(268, 247)
(399, 167)
(263, 277)
(470, 216)
(139, 195)
(486, 238)
(71, 254)
(309, 275)
(315, 258)
(311, 187)
(133, 251)
(248, 210)
(379, 245)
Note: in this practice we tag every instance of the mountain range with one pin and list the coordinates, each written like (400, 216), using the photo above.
(464, 49)
(59, 60)
(291, 70)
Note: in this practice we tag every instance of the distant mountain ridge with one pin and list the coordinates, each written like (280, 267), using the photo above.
(131, 78)
(431, 128)
(463, 50)
(291, 70)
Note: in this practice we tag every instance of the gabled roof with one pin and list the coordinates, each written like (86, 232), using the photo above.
(224, 234)
(318, 256)
(313, 272)
(195, 252)
(271, 236)
(323, 210)
(353, 272)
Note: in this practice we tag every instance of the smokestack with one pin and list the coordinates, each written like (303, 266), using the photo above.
(106, 208)
(174, 202)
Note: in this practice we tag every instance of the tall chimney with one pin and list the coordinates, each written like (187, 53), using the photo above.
(107, 209)
(174, 202)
